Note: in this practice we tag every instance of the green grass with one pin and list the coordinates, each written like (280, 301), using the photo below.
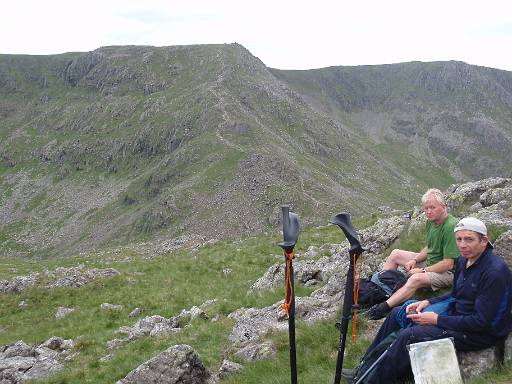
(165, 285)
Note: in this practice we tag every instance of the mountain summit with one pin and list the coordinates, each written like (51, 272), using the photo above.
(132, 143)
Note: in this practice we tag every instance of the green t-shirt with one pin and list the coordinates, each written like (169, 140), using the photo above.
(441, 241)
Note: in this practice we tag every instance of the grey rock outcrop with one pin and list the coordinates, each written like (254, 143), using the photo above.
(179, 364)
(497, 196)
(63, 312)
(20, 362)
(229, 367)
(19, 283)
(150, 326)
(503, 247)
(257, 351)
(157, 325)
(61, 277)
(80, 66)
(107, 307)
(476, 363)
(135, 313)
(459, 194)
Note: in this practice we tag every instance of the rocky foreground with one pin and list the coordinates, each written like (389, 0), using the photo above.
(489, 200)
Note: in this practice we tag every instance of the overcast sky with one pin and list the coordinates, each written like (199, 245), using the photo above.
(284, 34)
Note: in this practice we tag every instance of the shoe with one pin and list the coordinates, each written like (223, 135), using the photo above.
(378, 311)
(348, 373)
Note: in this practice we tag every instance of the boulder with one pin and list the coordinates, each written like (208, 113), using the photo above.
(61, 277)
(229, 367)
(135, 313)
(257, 351)
(149, 326)
(501, 196)
(251, 323)
(476, 363)
(20, 362)
(503, 247)
(179, 364)
(63, 311)
(19, 348)
(470, 192)
(107, 307)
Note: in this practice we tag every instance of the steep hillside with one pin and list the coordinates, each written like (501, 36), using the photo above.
(141, 143)
(448, 114)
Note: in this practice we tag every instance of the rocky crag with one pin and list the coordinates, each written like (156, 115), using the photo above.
(130, 144)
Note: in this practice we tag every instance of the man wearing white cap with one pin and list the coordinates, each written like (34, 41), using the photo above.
(477, 313)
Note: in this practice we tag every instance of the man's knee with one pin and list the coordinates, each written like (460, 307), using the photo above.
(418, 280)
(394, 255)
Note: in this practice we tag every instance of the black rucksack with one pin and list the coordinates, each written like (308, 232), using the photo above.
(380, 286)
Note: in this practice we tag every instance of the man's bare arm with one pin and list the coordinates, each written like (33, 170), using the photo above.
(411, 264)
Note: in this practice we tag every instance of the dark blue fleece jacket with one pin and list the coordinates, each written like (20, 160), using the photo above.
(482, 295)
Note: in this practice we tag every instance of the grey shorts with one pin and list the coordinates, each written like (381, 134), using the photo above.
(438, 280)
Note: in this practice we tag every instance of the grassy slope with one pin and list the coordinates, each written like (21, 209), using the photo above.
(165, 285)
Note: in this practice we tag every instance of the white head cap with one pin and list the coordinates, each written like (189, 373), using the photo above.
(471, 224)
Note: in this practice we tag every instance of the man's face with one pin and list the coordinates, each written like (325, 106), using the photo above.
(470, 244)
(435, 211)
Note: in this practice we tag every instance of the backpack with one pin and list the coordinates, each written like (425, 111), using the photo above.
(380, 286)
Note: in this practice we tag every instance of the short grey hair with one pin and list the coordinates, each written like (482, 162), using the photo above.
(435, 194)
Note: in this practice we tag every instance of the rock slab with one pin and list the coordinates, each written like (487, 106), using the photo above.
(179, 364)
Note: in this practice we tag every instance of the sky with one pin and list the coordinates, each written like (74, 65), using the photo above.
(283, 34)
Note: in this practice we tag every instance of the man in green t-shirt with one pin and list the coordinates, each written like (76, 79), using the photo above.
(433, 265)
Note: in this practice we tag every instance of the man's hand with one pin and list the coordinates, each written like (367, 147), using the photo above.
(424, 318)
(415, 270)
(417, 307)
(410, 264)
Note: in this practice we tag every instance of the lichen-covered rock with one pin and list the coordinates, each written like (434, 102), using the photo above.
(251, 323)
(107, 307)
(470, 192)
(20, 362)
(497, 196)
(149, 326)
(61, 277)
(19, 283)
(63, 312)
(135, 313)
(503, 247)
(257, 351)
(19, 348)
(476, 363)
(179, 364)
(229, 367)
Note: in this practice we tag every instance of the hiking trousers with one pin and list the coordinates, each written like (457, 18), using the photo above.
(395, 367)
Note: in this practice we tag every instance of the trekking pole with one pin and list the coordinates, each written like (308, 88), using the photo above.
(343, 221)
(372, 367)
(290, 236)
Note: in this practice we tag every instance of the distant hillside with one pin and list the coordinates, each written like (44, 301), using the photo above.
(136, 143)
(449, 114)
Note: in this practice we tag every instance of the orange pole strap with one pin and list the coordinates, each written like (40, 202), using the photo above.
(288, 283)
(357, 281)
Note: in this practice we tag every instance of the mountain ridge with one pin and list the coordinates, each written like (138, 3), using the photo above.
(133, 143)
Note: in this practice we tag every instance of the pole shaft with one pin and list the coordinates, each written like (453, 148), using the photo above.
(347, 308)
(291, 328)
